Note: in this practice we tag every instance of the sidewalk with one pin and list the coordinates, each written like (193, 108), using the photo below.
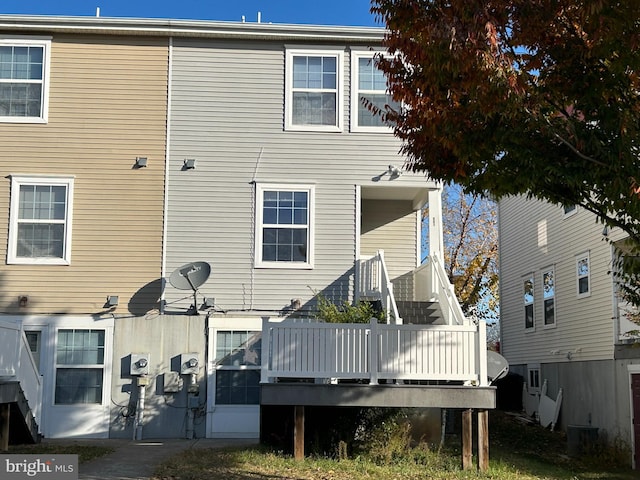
(136, 460)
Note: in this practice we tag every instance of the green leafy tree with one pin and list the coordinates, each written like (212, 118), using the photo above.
(533, 97)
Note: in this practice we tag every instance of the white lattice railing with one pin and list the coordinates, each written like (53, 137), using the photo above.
(374, 352)
(17, 364)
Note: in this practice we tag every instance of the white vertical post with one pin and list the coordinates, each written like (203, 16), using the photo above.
(266, 352)
(482, 353)
(373, 352)
(436, 243)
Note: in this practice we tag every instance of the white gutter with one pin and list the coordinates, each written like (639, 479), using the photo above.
(188, 28)
(165, 208)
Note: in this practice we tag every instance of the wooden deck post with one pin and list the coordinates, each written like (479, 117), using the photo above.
(4, 426)
(467, 439)
(298, 433)
(483, 440)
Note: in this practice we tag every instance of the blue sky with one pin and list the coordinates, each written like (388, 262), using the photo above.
(325, 12)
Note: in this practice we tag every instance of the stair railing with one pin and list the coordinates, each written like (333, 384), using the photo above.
(373, 282)
(432, 284)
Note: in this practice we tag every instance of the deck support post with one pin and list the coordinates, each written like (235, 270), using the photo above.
(298, 432)
(483, 440)
(467, 439)
(4, 426)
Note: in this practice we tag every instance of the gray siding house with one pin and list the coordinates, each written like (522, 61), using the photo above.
(265, 182)
(561, 318)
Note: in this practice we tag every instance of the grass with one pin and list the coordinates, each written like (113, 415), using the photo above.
(517, 452)
(85, 453)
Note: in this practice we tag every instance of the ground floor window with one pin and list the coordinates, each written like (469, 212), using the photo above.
(238, 360)
(79, 366)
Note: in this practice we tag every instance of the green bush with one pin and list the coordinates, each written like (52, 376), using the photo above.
(360, 312)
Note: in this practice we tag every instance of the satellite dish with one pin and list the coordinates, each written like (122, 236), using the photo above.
(497, 366)
(190, 277)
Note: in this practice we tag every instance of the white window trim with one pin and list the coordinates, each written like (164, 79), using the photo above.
(44, 42)
(292, 51)
(579, 257)
(555, 298)
(531, 368)
(532, 277)
(260, 188)
(16, 181)
(571, 212)
(357, 54)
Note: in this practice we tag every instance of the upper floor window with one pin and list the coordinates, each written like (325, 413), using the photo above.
(368, 84)
(24, 79)
(314, 95)
(284, 226)
(569, 210)
(528, 302)
(549, 296)
(583, 275)
(40, 220)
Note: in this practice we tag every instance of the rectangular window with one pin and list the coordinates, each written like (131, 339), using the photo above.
(79, 366)
(583, 275)
(528, 302)
(24, 79)
(314, 94)
(534, 378)
(549, 294)
(40, 220)
(569, 210)
(238, 362)
(368, 84)
(284, 236)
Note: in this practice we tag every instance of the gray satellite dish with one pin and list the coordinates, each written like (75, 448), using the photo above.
(190, 277)
(497, 366)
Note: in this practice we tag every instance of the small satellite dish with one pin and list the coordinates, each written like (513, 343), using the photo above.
(497, 366)
(190, 277)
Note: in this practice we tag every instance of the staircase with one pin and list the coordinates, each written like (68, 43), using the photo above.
(420, 313)
(15, 409)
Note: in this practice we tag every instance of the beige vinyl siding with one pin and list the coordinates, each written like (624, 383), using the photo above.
(388, 225)
(582, 324)
(107, 105)
(228, 113)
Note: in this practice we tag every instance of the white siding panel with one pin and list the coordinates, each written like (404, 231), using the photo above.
(584, 326)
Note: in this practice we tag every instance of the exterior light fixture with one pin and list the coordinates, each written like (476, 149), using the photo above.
(141, 162)
(112, 301)
(189, 163)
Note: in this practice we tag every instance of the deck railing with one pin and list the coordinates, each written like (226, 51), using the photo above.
(432, 284)
(374, 352)
(17, 364)
(373, 282)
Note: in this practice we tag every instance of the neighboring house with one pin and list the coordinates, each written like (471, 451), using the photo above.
(561, 319)
(266, 182)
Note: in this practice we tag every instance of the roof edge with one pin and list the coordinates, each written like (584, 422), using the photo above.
(186, 28)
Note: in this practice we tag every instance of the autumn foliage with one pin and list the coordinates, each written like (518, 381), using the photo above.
(535, 97)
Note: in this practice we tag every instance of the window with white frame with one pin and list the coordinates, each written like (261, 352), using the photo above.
(24, 79)
(583, 275)
(284, 226)
(368, 85)
(40, 220)
(314, 84)
(79, 366)
(549, 296)
(569, 210)
(533, 379)
(528, 296)
(238, 361)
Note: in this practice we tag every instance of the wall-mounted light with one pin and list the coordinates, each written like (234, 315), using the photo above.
(208, 302)
(189, 163)
(141, 162)
(112, 301)
(23, 300)
(394, 171)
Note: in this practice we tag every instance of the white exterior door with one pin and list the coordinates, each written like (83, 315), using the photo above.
(75, 362)
(233, 378)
